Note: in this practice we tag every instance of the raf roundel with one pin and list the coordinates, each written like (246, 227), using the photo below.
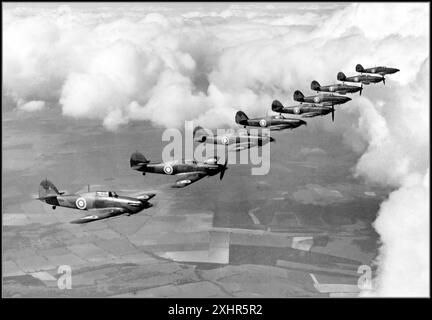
(225, 140)
(168, 169)
(317, 99)
(263, 123)
(296, 110)
(81, 203)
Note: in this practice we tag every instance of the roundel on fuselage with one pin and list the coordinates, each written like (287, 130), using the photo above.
(225, 140)
(168, 169)
(296, 110)
(81, 203)
(263, 123)
(356, 78)
(317, 99)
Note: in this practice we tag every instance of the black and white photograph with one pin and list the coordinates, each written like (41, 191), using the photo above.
(215, 150)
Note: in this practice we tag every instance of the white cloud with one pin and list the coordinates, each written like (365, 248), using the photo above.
(31, 105)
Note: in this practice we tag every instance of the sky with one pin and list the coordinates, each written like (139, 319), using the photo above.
(168, 63)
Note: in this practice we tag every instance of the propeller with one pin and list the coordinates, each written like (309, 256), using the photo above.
(361, 88)
(224, 167)
(333, 110)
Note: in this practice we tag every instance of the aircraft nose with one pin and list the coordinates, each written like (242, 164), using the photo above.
(303, 122)
(272, 139)
(396, 70)
(151, 195)
(200, 139)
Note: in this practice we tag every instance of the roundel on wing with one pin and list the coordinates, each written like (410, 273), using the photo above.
(81, 203)
(263, 123)
(296, 110)
(168, 169)
(317, 99)
(225, 140)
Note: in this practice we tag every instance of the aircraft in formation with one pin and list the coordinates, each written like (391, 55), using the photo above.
(100, 204)
(336, 87)
(306, 110)
(235, 141)
(278, 122)
(324, 98)
(188, 171)
(107, 204)
(379, 70)
(363, 78)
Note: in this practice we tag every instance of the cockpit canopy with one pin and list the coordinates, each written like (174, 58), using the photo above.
(111, 194)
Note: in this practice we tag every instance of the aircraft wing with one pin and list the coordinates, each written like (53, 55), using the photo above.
(188, 178)
(311, 114)
(279, 127)
(99, 214)
(141, 195)
(241, 146)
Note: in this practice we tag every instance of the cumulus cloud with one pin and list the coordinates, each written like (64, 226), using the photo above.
(30, 106)
(170, 64)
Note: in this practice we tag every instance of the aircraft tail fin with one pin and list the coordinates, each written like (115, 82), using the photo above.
(315, 85)
(277, 106)
(341, 76)
(137, 160)
(298, 95)
(241, 117)
(359, 68)
(47, 190)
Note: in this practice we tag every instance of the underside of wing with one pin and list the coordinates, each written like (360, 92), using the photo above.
(279, 127)
(99, 214)
(311, 114)
(241, 146)
(141, 195)
(188, 178)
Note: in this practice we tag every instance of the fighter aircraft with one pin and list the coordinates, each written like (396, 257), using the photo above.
(337, 87)
(278, 122)
(363, 78)
(323, 98)
(188, 171)
(100, 204)
(235, 141)
(307, 110)
(378, 70)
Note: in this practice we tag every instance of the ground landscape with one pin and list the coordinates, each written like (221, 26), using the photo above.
(245, 236)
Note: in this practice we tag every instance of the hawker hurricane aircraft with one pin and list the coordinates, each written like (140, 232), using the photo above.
(99, 204)
(188, 171)
(378, 70)
(337, 87)
(306, 110)
(278, 122)
(235, 141)
(324, 98)
(363, 78)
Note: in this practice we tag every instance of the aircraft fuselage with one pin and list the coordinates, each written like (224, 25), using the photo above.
(177, 167)
(325, 98)
(98, 200)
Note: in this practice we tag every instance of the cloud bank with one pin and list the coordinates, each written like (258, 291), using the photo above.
(171, 64)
